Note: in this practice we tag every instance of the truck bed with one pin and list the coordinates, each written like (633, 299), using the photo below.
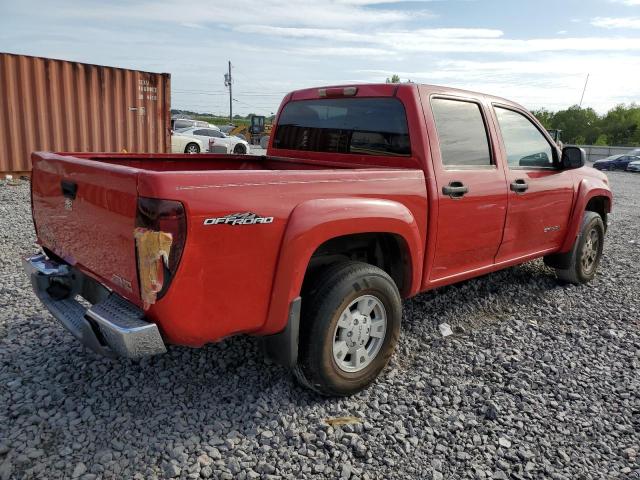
(205, 162)
(94, 231)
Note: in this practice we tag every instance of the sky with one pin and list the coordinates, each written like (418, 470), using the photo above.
(537, 53)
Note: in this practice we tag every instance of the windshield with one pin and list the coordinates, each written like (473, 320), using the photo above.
(364, 126)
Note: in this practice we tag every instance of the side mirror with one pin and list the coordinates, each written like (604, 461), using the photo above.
(572, 157)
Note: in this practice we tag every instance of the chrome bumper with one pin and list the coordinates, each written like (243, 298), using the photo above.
(112, 326)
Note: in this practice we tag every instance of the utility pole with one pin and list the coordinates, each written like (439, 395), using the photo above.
(583, 90)
(227, 83)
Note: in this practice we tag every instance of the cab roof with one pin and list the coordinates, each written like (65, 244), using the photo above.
(391, 89)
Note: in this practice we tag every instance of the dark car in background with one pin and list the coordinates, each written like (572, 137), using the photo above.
(615, 162)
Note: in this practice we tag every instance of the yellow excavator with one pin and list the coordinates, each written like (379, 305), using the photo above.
(256, 132)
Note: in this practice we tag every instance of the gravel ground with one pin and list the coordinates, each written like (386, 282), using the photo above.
(538, 381)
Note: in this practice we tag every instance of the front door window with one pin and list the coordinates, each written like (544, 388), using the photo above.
(524, 143)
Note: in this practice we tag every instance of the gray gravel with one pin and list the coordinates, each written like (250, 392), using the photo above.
(537, 381)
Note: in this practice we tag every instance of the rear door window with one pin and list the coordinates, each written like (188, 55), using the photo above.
(180, 124)
(363, 126)
(461, 133)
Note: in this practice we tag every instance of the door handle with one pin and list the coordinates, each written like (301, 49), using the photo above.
(519, 186)
(455, 189)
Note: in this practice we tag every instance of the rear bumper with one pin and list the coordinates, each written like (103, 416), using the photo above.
(111, 326)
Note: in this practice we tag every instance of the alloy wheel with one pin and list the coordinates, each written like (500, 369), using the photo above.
(359, 333)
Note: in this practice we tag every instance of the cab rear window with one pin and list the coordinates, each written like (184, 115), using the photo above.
(363, 126)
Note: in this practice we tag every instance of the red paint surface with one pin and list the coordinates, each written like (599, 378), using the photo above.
(241, 279)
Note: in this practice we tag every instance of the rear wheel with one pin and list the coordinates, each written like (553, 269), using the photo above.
(349, 328)
(192, 148)
(581, 263)
(240, 149)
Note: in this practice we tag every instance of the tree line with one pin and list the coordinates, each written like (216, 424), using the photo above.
(217, 119)
(620, 126)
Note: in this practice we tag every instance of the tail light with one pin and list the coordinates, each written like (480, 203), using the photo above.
(161, 230)
(337, 92)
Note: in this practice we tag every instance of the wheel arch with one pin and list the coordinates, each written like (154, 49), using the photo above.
(385, 250)
(327, 227)
(590, 197)
(601, 205)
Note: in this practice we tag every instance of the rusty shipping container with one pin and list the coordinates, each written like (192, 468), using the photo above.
(57, 105)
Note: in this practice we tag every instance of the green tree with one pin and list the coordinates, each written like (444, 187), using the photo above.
(619, 126)
(602, 140)
(395, 78)
(622, 125)
(577, 124)
(544, 116)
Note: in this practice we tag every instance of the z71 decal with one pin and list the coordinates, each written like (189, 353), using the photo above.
(246, 218)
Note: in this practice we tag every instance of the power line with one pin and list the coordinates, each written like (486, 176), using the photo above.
(253, 81)
(244, 94)
(243, 103)
(201, 93)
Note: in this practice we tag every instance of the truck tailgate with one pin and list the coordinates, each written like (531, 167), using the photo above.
(84, 212)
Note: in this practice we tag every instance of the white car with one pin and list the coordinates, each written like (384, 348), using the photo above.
(180, 123)
(217, 141)
(186, 144)
(634, 166)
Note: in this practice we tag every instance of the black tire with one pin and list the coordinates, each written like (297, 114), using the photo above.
(240, 149)
(579, 265)
(192, 148)
(332, 291)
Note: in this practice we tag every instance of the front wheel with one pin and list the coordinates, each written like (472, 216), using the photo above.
(580, 264)
(349, 328)
(240, 149)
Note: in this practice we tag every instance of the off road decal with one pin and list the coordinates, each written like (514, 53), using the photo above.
(246, 218)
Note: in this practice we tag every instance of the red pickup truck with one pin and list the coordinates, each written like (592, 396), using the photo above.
(368, 194)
